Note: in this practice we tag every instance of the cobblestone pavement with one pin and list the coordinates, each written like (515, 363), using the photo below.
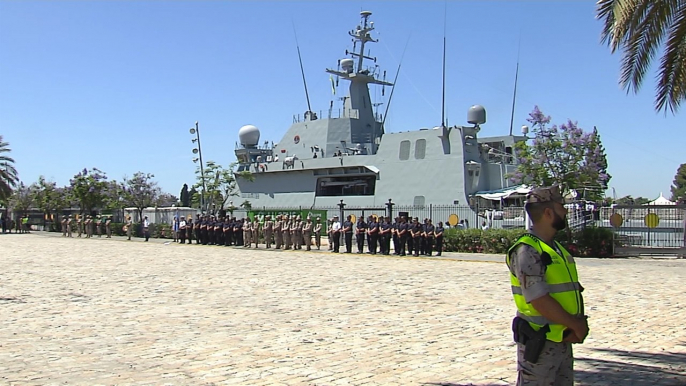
(110, 312)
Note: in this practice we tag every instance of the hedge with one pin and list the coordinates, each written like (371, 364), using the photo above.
(588, 242)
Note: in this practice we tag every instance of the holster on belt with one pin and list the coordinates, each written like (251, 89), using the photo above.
(532, 340)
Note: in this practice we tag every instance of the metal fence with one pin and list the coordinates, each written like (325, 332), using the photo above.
(646, 229)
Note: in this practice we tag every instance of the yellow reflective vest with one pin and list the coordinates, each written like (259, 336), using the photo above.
(563, 284)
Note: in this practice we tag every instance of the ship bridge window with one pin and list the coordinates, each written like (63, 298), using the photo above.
(420, 149)
(346, 186)
(404, 150)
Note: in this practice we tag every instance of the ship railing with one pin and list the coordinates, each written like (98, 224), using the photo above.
(330, 114)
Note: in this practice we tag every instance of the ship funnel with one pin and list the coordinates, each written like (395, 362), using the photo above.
(476, 115)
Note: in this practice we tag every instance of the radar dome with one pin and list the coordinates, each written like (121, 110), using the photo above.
(249, 135)
(476, 115)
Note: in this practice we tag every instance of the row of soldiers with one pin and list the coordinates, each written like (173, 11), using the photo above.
(283, 232)
(292, 232)
(87, 225)
(408, 237)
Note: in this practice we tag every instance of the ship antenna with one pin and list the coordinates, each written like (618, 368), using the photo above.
(383, 121)
(445, 12)
(514, 94)
(302, 70)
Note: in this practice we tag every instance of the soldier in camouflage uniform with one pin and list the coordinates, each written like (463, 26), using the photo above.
(278, 236)
(79, 225)
(286, 232)
(268, 229)
(547, 294)
(256, 231)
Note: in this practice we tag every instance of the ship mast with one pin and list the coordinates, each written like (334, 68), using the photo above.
(358, 106)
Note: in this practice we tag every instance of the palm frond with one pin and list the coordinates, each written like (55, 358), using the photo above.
(647, 30)
(672, 74)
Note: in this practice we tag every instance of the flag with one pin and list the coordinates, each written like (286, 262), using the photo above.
(333, 85)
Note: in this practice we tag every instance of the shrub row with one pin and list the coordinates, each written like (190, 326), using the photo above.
(588, 242)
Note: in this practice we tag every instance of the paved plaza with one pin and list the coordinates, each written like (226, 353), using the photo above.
(112, 312)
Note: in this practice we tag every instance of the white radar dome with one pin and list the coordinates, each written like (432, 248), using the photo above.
(249, 135)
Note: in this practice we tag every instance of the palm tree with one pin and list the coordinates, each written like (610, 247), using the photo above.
(641, 29)
(8, 174)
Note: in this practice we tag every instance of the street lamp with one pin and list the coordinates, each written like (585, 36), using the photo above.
(196, 130)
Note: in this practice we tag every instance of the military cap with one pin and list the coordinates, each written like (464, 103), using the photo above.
(545, 194)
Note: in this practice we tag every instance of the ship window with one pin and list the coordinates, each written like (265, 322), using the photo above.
(420, 149)
(404, 150)
(419, 200)
(346, 186)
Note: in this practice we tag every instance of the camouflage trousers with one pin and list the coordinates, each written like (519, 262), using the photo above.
(555, 366)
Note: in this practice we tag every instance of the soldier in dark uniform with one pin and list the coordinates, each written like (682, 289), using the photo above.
(238, 231)
(438, 233)
(189, 230)
(373, 232)
(416, 236)
(211, 237)
(203, 229)
(347, 230)
(396, 238)
(360, 234)
(402, 235)
(385, 236)
(196, 229)
(227, 229)
(429, 234)
(422, 244)
(370, 221)
(410, 238)
(219, 231)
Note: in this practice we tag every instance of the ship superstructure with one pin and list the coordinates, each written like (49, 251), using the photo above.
(349, 156)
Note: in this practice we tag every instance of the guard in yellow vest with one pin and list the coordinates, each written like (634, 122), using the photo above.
(547, 293)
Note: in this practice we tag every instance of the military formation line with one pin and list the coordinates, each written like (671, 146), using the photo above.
(292, 232)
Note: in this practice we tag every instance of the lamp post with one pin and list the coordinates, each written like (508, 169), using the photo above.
(389, 208)
(196, 130)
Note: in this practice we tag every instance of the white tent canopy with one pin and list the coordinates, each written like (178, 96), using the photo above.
(661, 201)
(501, 194)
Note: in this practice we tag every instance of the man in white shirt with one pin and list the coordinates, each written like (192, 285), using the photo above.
(182, 230)
(336, 234)
(146, 228)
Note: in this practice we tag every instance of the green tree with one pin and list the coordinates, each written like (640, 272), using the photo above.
(49, 198)
(185, 196)
(8, 174)
(140, 191)
(679, 184)
(220, 184)
(88, 189)
(563, 155)
(642, 29)
(22, 198)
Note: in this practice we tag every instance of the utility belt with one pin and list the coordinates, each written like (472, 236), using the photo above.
(532, 340)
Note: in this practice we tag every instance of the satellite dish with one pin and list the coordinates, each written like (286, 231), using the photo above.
(195, 151)
(192, 130)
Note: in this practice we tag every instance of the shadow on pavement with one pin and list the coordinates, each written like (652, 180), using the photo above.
(633, 368)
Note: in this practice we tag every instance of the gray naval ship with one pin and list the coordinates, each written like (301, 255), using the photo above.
(349, 156)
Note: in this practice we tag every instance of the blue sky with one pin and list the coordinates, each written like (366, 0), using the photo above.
(117, 84)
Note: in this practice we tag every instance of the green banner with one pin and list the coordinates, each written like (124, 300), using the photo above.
(304, 213)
